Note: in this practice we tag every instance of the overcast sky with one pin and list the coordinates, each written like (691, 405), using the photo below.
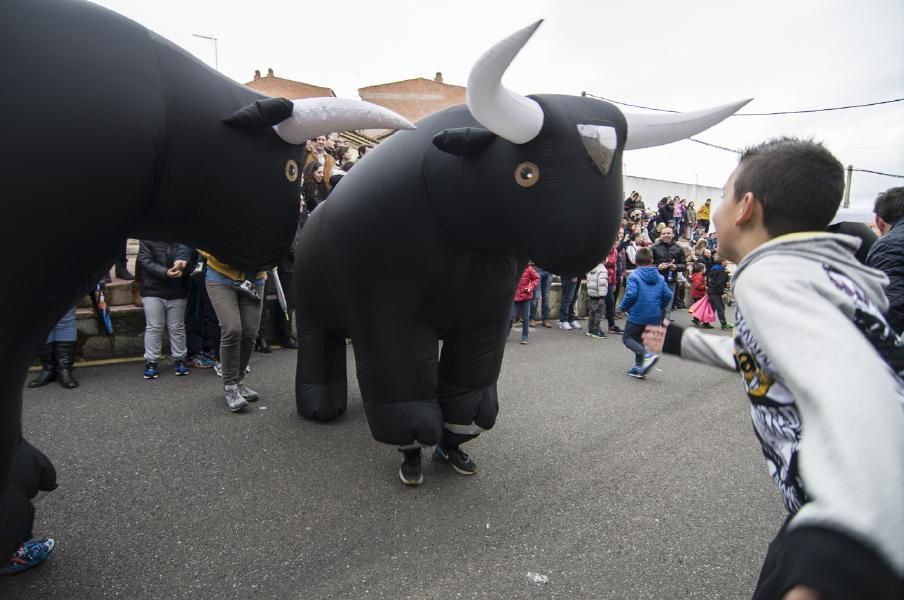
(787, 55)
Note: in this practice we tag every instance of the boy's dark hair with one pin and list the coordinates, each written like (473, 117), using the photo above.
(890, 205)
(643, 257)
(699, 267)
(798, 183)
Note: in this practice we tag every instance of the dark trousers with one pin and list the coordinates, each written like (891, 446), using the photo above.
(718, 306)
(523, 307)
(569, 297)
(632, 340)
(610, 306)
(865, 575)
(201, 325)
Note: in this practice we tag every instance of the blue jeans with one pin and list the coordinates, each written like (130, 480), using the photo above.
(65, 330)
(632, 340)
(569, 294)
(542, 290)
(524, 305)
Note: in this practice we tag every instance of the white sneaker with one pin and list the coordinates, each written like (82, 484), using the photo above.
(575, 325)
(234, 400)
(564, 326)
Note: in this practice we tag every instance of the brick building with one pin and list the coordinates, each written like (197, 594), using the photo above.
(414, 99)
(278, 87)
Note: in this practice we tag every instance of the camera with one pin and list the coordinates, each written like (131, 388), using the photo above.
(248, 288)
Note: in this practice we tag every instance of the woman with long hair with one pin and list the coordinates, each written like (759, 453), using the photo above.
(314, 189)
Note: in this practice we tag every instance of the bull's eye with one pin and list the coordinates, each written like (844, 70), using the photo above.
(600, 142)
(291, 170)
(527, 174)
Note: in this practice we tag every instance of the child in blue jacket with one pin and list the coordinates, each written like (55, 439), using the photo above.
(646, 296)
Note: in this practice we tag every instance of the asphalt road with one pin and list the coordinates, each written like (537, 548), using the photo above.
(606, 486)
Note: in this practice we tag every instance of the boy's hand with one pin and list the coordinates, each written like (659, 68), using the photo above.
(653, 338)
(801, 592)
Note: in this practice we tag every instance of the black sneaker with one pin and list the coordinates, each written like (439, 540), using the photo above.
(410, 471)
(455, 458)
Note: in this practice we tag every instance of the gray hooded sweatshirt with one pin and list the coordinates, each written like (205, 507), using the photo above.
(825, 377)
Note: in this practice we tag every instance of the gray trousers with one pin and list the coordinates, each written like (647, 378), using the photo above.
(160, 313)
(240, 318)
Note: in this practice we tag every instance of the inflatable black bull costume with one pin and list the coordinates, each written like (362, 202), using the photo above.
(110, 131)
(425, 239)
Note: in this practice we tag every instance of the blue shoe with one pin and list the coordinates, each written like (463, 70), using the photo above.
(150, 370)
(29, 554)
(181, 367)
(637, 372)
(648, 361)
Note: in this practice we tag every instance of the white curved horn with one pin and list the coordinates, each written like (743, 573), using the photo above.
(319, 116)
(508, 115)
(646, 131)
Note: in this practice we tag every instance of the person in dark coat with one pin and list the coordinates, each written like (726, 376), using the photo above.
(887, 253)
(716, 284)
(669, 259)
(164, 293)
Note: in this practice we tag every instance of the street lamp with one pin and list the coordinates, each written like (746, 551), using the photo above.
(216, 60)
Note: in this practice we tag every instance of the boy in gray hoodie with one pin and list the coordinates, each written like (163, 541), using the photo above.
(824, 373)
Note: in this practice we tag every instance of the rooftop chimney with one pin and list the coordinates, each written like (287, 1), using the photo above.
(257, 74)
(439, 77)
(269, 72)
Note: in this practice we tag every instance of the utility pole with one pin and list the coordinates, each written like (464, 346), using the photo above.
(847, 187)
(216, 58)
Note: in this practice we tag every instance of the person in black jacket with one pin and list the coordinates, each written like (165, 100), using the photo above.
(164, 292)
(669, 258)
(887, 253)
(716, 284)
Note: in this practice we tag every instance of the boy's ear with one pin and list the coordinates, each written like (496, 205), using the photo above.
(746, 209)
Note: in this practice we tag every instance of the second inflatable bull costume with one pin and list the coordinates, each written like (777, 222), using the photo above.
(111, 131)
(424, 240)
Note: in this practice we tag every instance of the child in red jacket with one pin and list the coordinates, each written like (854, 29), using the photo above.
(698, 286)
(524, 293)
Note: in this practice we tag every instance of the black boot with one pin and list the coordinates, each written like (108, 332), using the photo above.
(262, 346)
(48, 366)
(122, 271)
(65, 357)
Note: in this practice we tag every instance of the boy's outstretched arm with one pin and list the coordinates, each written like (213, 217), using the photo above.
(713, 350)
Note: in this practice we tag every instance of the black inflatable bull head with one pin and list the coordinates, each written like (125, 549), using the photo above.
(553, 158)
(425, 238)
(111, 131)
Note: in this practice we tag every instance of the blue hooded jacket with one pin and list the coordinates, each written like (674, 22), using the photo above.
(646, 296)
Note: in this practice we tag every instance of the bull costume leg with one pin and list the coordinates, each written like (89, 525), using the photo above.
(468, 370)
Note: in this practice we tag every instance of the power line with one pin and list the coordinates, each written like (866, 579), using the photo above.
(734, 150)
(765, 114)
(879, 173)
(715, 146)
(787, 112)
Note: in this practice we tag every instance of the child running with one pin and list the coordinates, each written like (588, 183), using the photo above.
(646, 296)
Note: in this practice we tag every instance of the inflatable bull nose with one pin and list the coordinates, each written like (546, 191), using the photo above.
(425, 239)
(111, 131)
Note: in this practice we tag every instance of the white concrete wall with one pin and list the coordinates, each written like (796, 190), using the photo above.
(654, 189)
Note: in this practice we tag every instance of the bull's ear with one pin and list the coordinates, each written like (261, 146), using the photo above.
(261, 113)
(463, 141)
